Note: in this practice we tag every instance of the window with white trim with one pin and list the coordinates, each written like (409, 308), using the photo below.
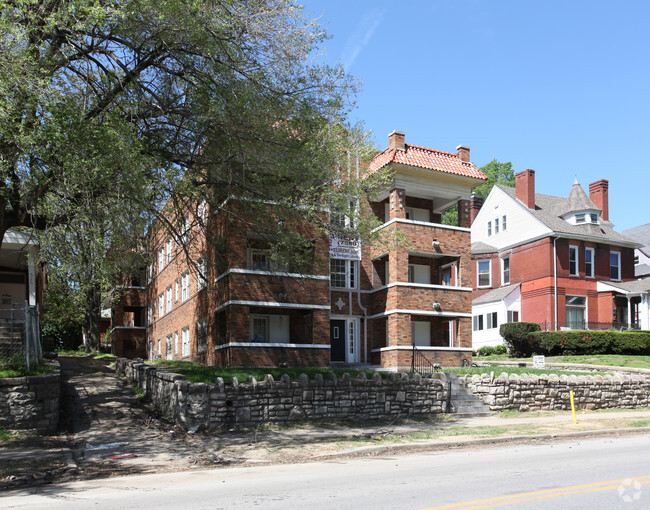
(201, 276)
(575, 312)
(168, 250)
(513, 316)
(419, 273)
(491, 320)
(421, 333)
(259, 259)
(185, 286)
(505, 271)
(161, 304)
(496, 225)
(259, 329)
(169, 298)
(589, 262)
(176, 286)
(344, 218)
(169, 354)
(201, 336)
(343, 274)
(573, 260)
(504, 225)
(202, 211)
(580, 218)
(478, 323)
(176, 350)
(149, 315)
(161, 259)
(483, 276)
(615, 265)
(489, 228)
(185, 346)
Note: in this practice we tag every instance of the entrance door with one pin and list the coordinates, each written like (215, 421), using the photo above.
(337, 340)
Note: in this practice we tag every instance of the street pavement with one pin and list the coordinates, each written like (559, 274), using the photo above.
(108, 431)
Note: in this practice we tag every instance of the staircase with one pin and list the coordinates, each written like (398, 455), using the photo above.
(463, 402)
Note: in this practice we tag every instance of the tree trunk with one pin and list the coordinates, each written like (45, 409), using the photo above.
(92, 320)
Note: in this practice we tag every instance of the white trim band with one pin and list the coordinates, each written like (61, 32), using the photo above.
(421, 223)
(419, 285)
(420, 312)
(262, 344)
(271, 273)
(272, 304)
(433, 348)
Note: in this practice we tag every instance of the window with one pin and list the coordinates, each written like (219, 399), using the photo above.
(185, 286)
(489, 228)
(169, 354)
(185, 334)
(594, 217)
(258, 260)
(573, 260)
(580, 218)
(505, 275)
(491, 319)
(169, 298)
(416, 214)
(589, 262)
(446, 278)
(503, 223)
(575, 312)
(343, 273)
(149, 315)
(496, 225)
(185, 228)
(161, 259)
(176, 351)
(615, 265)
(421, 333)
(483, 273)
(176, 290)
(202, 211)
(513, 316)
(478, 322)
(201, 336)
(419, 273)
(161, 305)
(168, 249)
(259, 329)
(342, 218)
(201, 276)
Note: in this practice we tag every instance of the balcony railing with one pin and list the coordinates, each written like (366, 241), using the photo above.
(587, 325)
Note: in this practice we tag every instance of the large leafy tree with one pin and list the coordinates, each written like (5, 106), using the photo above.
(497, 173)
(111, 108)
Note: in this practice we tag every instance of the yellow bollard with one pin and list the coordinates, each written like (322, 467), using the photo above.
(573, 408)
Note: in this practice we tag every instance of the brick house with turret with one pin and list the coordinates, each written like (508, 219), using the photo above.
(552, 260)
(370, 307)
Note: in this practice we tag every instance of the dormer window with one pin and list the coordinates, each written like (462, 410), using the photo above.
(580, 218)
(594, 217)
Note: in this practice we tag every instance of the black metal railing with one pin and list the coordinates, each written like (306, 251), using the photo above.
(420, 363)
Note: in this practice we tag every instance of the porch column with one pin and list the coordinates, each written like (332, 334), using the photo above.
(629, 312)
(31, 275)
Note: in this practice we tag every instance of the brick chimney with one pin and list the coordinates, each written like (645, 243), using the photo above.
(396, 140)
(525, 187)
(463, 152)
(475, 204)
(598, 193)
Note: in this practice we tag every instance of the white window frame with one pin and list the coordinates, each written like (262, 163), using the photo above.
(590, 265)
(176, 287)
(583, 307)
(574, 250)
(149, 315)
(415, 270)
(262, 323)
(259, 252)
(202, 210)
(349, 272)
(168, 293)
(161, 304)
(581, 218)
(504, 225)
(505, 260)
(168, 250)
(161, 259)
(478, 272)
(496, 226)
(201, 276)
(185, 346)
(169, 353)
(201, 335)
(489, 228)
(617, 254)
(185, 286)
(176, 350)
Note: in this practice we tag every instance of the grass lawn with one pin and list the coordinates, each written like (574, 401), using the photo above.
(512, 370)
(613, 360)
(84, 354)
(6, 372)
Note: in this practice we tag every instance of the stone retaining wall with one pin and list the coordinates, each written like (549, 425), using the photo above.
(548, 392)
(216, 405)
(31, 403)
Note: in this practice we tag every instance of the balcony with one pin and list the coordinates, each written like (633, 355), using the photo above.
(440, 300)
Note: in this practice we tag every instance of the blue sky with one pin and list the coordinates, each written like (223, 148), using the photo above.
(561, 87)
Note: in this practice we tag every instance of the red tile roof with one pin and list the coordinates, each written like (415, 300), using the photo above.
(421, 157)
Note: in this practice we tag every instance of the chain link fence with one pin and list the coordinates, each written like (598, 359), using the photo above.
(20, 335)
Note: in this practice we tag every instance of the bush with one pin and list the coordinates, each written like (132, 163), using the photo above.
(518, 339)
(576, 342)
(500, 349)
(486, 350)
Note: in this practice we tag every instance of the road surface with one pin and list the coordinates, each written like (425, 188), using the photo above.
(602, 473)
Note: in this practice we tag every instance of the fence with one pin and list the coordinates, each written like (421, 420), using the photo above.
(20, 333)
(583, 325)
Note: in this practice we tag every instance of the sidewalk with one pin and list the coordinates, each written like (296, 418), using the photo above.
(109, 432)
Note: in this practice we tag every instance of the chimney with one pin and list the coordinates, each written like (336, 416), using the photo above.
(396, 140)
(475, 204)
(525, 187)
(463, 152)
(600, 197)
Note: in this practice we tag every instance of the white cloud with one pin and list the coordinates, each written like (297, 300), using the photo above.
(361, 36)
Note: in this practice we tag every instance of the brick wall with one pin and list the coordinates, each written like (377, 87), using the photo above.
(217, 405)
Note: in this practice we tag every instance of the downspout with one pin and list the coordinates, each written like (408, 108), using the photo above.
(365, 328)
(555, 276)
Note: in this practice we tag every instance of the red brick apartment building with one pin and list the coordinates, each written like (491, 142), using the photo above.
(370, 308)
(552, 260)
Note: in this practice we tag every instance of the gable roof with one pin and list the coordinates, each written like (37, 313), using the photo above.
(640, 234)
(496, 294)
(430, 159)
(548, 209)
(480, 247)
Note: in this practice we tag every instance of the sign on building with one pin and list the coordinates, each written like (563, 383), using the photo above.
(348, 248)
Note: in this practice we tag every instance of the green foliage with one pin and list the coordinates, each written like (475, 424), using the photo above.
(496, 172)
(575, 342)
(516, 336)
(486, 350)
(14, 366)
(450, 216)
(500, 349)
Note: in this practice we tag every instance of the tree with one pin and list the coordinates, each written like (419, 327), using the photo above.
(121, 106)
(497, 173)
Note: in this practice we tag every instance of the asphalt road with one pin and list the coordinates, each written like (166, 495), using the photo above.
(604, 473)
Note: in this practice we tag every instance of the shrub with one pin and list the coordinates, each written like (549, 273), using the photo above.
(577, 342)
(486, 350)
(500, 349)
(518, 339)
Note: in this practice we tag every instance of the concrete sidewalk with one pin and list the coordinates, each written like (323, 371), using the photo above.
(110, 432)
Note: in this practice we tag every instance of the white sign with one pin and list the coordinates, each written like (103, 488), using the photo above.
(539, 362)
(348, 248)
